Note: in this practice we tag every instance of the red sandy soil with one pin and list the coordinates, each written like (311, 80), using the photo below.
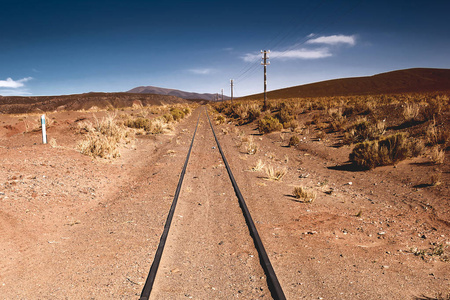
(73, 227)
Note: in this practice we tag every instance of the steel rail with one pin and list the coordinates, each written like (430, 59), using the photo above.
(154, 268)
(272, 280)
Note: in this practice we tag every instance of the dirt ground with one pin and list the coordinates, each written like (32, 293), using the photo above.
(73, 227)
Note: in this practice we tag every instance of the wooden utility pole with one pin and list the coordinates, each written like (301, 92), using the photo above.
(265, 63)
(231, 90)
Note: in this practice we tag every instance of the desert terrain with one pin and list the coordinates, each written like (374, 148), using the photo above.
(84, 222)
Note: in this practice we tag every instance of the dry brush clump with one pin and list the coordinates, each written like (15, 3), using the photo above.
(259, 166)
(293, 141)
(304, 195)
(269, 124)
(338, 120)
(240, 112)
(437, 155)
(435, 135)
(103, 138)
(248, 144)
(275, 174)
(411, 111)
(385, 151)
(362, 130)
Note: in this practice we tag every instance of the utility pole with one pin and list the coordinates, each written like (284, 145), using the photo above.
(231, 90)
(222, 95)
(265, 63)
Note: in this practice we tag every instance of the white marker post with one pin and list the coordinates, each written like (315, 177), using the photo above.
(44, 133)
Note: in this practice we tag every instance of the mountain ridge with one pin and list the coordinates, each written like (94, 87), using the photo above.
(174, 92)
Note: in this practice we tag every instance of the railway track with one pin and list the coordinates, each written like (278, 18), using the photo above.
(211, 214)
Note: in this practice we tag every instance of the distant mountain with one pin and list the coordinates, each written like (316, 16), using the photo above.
(417, 80)
(172, 92)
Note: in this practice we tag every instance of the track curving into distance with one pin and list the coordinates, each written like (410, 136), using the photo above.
(272, 281)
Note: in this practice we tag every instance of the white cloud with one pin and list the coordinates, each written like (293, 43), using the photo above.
(292, 54)
(14, 84)
(302, 53)
(333, 40)
(201, 71)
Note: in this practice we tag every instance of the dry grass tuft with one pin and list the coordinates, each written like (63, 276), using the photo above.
(437, 155)
(435, 135)
(411, 111)
(436, 179)
(275, 174)
(304, 195)
(250, 146)
(259, 166)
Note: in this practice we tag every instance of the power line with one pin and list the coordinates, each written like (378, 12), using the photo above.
(250, 68)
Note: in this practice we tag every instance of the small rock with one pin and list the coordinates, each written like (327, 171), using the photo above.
(381, 233)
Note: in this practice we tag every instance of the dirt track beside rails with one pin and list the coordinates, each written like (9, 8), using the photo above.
(76, 228)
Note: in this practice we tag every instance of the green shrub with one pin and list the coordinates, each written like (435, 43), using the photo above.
(269, 124)
(177, 114)
(362, 131)
(284, 115)
(143, 123)
(386, 151)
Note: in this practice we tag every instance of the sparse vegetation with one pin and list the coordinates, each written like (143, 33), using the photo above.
(410, 111)
(275, 174)
(386, 151)
(437, 155)
(259, 166)
(293, 141)
(269, 124)
(304, 195)
(220, 119)
(436, 179)
(103, 139)
(438, 250)
(249, 145)
(362, 130)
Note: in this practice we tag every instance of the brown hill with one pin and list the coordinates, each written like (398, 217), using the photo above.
(87, 101)
(172, 92)
(402, 81)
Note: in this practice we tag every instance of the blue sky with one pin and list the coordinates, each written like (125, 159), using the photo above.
(56, 47)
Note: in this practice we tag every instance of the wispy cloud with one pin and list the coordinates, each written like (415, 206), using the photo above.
(333, 39)
(205, 71)
(14, 84)
(302, 53)
(329, 45)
